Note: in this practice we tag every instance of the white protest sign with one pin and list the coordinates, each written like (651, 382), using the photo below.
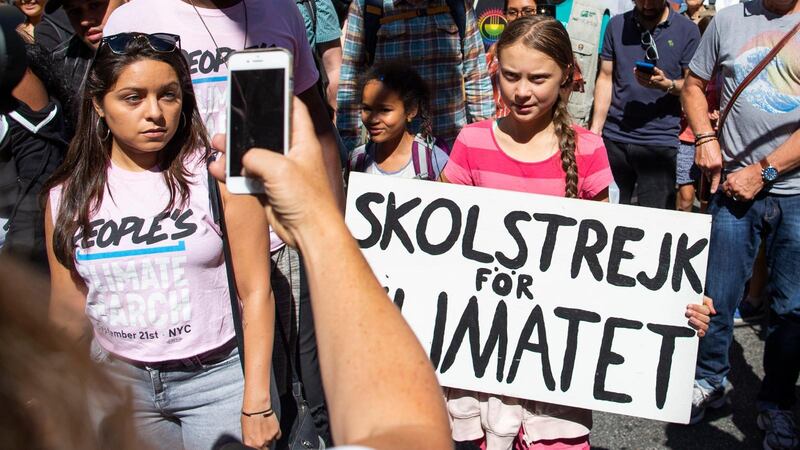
(564, 301)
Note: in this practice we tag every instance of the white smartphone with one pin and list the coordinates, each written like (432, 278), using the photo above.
(259, 110)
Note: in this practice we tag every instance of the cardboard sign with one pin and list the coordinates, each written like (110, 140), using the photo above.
(564, 301)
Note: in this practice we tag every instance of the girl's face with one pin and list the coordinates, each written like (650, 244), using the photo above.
(31, 8)
(143, 108)
(383, 112)
(530, 82)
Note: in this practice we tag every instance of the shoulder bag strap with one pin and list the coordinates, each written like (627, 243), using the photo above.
(219, 217)
(754, 73)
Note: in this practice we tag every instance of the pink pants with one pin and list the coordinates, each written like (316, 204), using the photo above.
(579, 443)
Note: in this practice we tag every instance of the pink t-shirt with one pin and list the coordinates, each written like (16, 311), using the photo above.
(268, 23)
(478, 160)
(157, 286)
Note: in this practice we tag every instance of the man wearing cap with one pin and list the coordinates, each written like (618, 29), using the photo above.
(638, 110)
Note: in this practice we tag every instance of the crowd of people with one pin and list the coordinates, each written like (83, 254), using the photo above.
(112, 186)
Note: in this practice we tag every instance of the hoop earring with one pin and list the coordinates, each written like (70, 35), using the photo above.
(183, 120)
(97, 130)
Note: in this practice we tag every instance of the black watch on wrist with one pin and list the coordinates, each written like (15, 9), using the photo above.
(768, 173)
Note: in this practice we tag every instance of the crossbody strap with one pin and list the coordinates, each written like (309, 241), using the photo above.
(289, 349)
(754, 73)
(219, 217)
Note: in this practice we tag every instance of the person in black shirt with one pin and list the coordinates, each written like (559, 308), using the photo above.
(72, 43)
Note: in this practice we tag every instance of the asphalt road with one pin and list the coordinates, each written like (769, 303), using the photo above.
(730, 428)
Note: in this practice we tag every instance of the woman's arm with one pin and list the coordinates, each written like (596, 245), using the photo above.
(249, 243)
(67, 293)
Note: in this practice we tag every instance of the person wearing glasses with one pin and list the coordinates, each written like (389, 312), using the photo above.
(136, 257)
(645, 58)
(514, 9)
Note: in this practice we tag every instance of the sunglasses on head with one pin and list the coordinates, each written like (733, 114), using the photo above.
(159, 42)
(650, 50)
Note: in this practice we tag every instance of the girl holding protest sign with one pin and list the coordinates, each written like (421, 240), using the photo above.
(392, 96)
(534, 149)
(135, 251)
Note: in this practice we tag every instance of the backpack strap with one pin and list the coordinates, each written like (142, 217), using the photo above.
(373, 19)
(311, 7)
(358, 158)
(422, 159)
(458, 10)
(373, 12)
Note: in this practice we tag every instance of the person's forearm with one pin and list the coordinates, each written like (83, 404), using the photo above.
(330, 145)
(787, 156)
(258, 319)
(386, 373)
(695, 106)
(333, 164)
(602, 102)
(72, 321)
(332, 63)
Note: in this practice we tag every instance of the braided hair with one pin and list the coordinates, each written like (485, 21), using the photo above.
(549, 36)
(401, 78)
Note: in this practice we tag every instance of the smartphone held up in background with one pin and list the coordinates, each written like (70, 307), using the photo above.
(259, 110)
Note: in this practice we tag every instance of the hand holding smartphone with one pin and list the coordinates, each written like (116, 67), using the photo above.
(259, 110)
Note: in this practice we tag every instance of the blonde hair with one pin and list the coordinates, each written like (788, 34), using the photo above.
(548, 36)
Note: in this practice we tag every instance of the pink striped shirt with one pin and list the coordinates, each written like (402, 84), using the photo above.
(478, 160)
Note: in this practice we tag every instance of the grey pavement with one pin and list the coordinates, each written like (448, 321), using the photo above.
(731, 427)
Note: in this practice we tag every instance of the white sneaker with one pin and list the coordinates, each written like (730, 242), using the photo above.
(703, 398)
(779, 428)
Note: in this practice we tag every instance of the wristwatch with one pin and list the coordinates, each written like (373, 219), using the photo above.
(768, 173)
(671, 87)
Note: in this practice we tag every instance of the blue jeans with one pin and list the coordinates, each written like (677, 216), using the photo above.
(191, 407)
(737, 231)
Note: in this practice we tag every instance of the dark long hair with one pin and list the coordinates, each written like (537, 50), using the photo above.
(82, 176)
(548, 36)
(400, 77)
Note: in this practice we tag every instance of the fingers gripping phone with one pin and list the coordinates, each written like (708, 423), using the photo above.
(259, 110)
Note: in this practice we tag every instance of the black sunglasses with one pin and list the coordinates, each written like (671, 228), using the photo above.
(159, 42)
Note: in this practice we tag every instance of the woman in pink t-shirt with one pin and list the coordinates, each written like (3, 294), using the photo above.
(535, 149)
(133, 246)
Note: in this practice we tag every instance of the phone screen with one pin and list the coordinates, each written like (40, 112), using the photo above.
(257, 113)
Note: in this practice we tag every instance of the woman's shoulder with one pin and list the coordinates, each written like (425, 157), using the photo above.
(586, 142)
(476, 133)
